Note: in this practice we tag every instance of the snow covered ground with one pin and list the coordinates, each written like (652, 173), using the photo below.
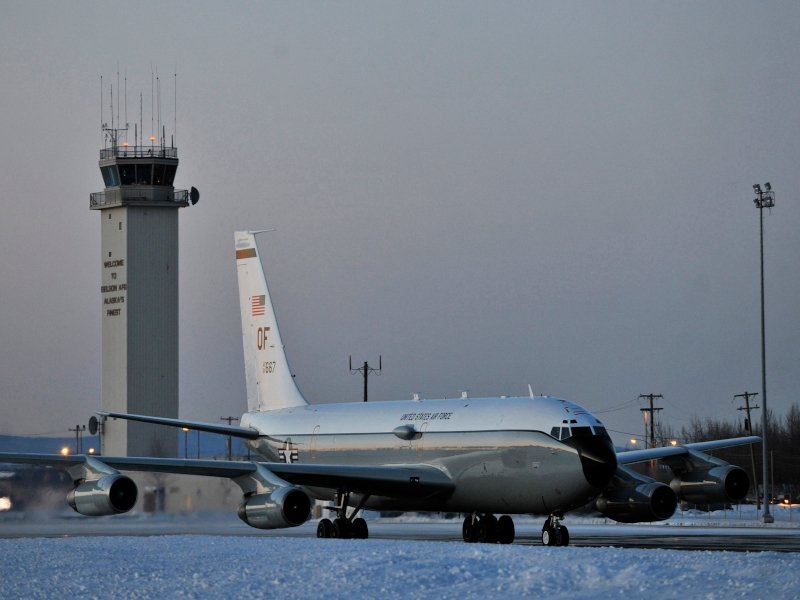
(214, 566)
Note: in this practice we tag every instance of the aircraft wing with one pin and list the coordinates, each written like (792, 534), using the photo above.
(402, 481)
(231, 430)
(634, 456)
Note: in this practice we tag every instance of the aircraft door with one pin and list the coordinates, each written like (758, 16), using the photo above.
(314, 443)
(421, 440)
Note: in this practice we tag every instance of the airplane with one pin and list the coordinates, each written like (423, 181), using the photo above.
(535, 455)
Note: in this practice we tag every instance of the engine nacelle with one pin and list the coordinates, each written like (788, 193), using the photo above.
(727, 483)
(110, 495)
(284, 507)
(644, 503)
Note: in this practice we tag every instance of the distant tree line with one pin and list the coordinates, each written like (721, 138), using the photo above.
(784, 444)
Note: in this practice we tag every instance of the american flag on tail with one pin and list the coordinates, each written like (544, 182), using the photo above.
(259, 303)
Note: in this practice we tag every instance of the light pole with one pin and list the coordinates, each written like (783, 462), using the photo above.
(185, 443)
(764, 199)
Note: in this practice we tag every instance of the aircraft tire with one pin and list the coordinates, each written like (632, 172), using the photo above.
(360, 529)
(487, 530)
(340, 529)
(548, 536)
(469, 531)
(505, 530)
(564, 536)
(324, 528)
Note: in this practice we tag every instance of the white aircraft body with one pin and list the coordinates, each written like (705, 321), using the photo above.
(481, 456)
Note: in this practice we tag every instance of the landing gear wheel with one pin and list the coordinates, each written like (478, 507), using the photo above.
(505, 529)
(548, 536)
(324, 528)
(340, 529)
(487, 528)
(359, 529)
(469, 531)
(564, 536)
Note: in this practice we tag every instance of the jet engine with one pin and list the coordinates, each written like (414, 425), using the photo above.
(284, 507)
(727, 483)
(646, 502)
(109, 495)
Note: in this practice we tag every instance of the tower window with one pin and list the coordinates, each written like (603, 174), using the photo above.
(120, 225)
(144, 174)
(109, 255)
(158, 174)
(127, 174)
(169, 174)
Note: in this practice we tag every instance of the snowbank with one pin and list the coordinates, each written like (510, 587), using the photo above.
(210, 566)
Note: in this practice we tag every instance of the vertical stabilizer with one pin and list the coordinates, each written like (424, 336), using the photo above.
(270, 384)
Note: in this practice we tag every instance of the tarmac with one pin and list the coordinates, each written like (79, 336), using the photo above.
(738, 537)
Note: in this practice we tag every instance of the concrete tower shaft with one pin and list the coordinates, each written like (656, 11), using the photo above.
(139, 291)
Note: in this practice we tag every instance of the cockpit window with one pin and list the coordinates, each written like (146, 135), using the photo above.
(565, 433)
(582, 431)
(601, 431)
(555, 431)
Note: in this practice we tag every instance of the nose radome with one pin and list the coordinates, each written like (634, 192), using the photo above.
(598, 458)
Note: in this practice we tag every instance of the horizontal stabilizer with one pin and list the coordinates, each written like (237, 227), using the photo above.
(231, 430)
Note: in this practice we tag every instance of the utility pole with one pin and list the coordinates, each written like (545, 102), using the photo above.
(748, 425)
(652, 412)
(765, 199)
(78, 431)
(229, 420)
(366, 370)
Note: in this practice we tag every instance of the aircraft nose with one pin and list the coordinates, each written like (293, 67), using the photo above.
(598, 458)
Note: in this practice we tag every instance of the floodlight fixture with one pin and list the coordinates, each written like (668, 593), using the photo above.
(768, 186)
(757, 189)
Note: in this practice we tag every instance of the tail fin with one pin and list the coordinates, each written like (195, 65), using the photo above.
(269, 380)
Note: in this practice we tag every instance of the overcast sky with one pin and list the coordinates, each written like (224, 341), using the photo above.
(486, 194)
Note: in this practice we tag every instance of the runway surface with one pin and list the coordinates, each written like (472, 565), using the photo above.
(679, 537)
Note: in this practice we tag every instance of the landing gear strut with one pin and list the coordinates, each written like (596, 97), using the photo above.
(344, 527)
(487, 529)
(554, 534)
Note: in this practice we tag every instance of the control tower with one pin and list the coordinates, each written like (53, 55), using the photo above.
(139, 293)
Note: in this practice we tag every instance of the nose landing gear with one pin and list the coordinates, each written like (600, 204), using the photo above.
(487, 529)
(554, 534)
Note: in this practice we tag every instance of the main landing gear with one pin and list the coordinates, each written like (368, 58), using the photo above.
(487, 529)
(554, 534)
(344, 527)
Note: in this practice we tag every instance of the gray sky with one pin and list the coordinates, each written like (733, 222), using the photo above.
(488, 195)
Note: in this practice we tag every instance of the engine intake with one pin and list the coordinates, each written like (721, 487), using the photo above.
(285, 507)
(647, 502)
(727, 483)
(110, 495)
